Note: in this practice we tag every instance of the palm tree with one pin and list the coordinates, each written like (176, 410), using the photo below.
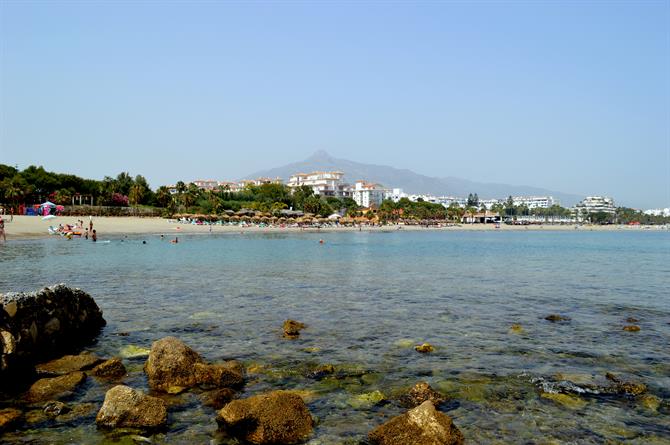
(136, 194)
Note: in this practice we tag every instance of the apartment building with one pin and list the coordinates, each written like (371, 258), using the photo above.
(323, 183)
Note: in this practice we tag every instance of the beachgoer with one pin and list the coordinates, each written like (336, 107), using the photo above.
(175, 240)
(320, 241)
(144, 242)
(90, 223)
(162, 237)
(94, 237)
(86, 234)
(2, 229)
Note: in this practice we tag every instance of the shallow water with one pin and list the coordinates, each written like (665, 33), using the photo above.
(368, 298)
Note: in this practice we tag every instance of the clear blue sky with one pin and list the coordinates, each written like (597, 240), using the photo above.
(572, 96)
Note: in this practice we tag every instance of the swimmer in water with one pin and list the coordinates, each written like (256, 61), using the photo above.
(175, 240)
(320, 241)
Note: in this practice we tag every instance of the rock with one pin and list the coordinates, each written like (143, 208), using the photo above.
(423, 425)
(110, 369)
(366, 400)
(566, 400)
(321, 371)
(218, 398)
(628, 388)
(125, 407)
(631, 328)
(68, 364)
(650, 402)
(419, 394)
(55, 408)
(38, 325)
(424, 348)
(292, 328)
(555, 317)
(132, 351)
(277, 417)
(516, 329)
(9, 418)
(55, 387)
(173, 367)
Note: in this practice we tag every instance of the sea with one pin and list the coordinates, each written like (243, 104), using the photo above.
(367, 298)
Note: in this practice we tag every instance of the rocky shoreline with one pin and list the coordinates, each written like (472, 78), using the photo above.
(51, 393)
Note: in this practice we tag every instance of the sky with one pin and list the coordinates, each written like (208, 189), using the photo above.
(566, 95)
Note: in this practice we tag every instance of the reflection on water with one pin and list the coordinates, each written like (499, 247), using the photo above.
(368, 298)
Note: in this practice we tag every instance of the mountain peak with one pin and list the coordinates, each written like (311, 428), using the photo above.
(320, 155)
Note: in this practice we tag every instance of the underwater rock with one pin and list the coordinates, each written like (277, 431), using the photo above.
(421, 392)
(516, 329)
(54, 408)
(277, 417)
(292, 328)
(366, 400)
(173, 367)
(321, 371)
(650, 402)
(424, 348)
(218, 398)
(38, 325)
(423, 425)
(110, 369)
(55, 387)
(565, 400)
(632, 320)
(9, 418)
(631, 328)
(132, 351)
(68, 364)
(628, 388)
(555, 317)
(125, 407)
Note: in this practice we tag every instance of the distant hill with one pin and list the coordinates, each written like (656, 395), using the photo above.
(409, 181)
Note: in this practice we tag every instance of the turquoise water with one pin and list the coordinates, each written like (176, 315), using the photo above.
(367, 299)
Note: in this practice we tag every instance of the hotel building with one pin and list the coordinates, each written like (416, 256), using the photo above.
(368, 194)
(323, 183)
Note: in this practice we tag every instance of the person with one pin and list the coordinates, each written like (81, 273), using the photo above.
(175, 240)
(90, 223)
(144, 242)
(2, 229)
(86, 234)
(94, 236)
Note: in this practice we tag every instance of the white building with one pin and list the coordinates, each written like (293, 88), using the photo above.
(534, 202)
(367, 194)
(206, 184)
(658, 212)
(323, 183)
(595, 204)
(397, 194)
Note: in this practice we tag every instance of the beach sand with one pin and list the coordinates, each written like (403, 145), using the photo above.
(23, 227)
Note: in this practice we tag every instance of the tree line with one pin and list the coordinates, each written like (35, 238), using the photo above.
(34, 185)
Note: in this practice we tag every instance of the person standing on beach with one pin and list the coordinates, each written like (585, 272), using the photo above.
(90, 223)
(2, 229)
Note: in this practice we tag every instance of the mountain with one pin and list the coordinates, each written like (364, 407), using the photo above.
(409, 181)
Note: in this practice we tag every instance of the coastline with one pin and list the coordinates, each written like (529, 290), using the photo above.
(32, 227)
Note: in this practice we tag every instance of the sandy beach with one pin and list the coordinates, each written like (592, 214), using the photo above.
(24, 227)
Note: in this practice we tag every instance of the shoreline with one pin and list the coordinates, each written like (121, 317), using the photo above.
(32, 227)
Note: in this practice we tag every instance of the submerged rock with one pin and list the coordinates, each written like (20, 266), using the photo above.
(423, 425)
(628, 388)
(132, 351)
(218, 398)
(292, 328)
(321, 371)
(421, 392)
(366, 400)
(566, 400)
(424, 348)
(9, 418)
(173, 367)
(516, 329)
(555, 317)
(125, 407)
(37, 325)
(631, 320)
(631, 328)
(55, 387)
(55, 408)
(650, 402)
(110, 369)
(68, 364)
(277, 417)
